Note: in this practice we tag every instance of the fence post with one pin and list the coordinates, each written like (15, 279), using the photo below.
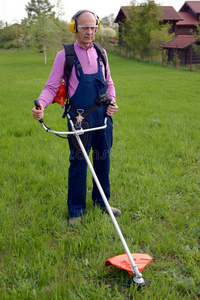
(142, 51)
(191, 58)
(134, 48)
(151, 52)
(176, 57)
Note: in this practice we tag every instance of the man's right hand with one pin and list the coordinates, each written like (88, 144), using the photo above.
(38, 114)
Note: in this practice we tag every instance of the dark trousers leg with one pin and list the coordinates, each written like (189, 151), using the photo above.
(101, 142)
(101, 162)
(77, 177)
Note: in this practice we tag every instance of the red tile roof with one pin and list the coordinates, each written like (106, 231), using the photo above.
(169, 13)
(194, 5)
(187, 19)
(180, 42)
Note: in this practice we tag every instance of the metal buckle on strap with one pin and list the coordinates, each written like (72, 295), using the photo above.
(80, 117)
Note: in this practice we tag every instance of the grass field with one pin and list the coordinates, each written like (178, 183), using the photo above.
(155, 181)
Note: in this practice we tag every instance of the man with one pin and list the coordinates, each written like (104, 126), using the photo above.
(86, 83)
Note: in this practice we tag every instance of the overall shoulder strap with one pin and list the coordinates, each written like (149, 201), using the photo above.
(69, 61)
(101, 52)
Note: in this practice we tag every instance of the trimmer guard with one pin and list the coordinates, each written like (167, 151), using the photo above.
(123, 262)
(84, 137)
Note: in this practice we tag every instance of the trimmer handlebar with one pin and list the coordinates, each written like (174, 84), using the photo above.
(37, 105)
(74, 131)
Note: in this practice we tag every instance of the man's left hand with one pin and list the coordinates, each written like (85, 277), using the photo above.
(112, 108)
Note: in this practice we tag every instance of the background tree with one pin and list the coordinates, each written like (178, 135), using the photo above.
(63, 35)
(9, 35)
(105, 22)
(159, 36)
(25, 36)
(108, 21)
(197, 35)
(39, 8)
(128, 34)
(2, 24)
(59, 9)
(137, 30)
(42, 32)
(50, 34)
(45, 28)
(105, 35)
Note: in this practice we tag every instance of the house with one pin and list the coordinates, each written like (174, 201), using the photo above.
(193, 7)
(180, 48)
(181, 45)
(182, 24)
(190, 14)
(169, 15)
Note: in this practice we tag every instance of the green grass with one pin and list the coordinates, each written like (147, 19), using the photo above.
(155, 181)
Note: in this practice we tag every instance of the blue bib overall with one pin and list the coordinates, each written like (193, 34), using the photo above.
(89, 88)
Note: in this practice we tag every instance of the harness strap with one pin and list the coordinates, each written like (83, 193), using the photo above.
(102, 54)
(101, 100)
(69, 61)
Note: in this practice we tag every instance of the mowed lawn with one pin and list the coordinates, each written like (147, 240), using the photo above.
(155, 181)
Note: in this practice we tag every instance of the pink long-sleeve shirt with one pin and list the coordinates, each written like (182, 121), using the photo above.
(88, 60)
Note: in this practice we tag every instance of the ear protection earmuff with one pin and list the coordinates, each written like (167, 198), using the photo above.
(73, 23)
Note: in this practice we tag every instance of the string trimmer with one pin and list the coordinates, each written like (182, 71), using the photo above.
(127, 261)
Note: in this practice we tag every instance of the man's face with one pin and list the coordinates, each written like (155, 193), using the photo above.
(85, 33)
